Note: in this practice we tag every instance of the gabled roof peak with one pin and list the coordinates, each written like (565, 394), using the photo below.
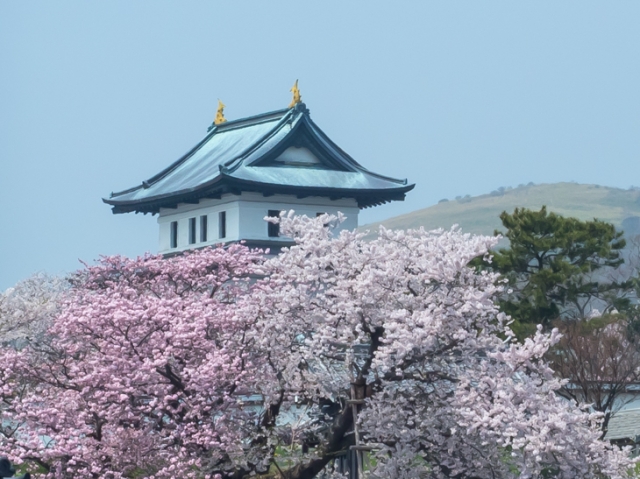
(249, 120)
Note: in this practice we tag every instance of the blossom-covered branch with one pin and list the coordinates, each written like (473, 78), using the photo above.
(220, 363)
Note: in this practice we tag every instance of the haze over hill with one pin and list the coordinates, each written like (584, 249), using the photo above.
(480, 214)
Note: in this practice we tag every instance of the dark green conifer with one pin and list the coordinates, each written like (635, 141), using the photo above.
(553, 267)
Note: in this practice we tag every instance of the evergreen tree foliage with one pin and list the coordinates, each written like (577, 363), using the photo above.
(554, 267)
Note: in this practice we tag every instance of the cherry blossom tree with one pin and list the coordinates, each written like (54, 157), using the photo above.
(27, 309)
(141, 374)
(220, 363)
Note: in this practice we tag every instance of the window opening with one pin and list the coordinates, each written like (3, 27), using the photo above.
(174, 234)
(222, 224)
(192, 230)
(273, 229)
(203, 228)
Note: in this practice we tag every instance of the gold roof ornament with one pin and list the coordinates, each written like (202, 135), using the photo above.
(296, 95)
(220, 114)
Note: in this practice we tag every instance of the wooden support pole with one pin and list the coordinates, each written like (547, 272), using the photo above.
(354, 411)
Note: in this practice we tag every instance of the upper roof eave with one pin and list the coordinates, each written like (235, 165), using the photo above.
(228, 125)
(234, 184)
(265, 140)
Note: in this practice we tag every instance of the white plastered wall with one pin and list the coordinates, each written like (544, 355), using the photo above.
(244, 217)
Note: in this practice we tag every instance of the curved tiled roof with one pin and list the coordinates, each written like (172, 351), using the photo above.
(238, 156)
(624, 424)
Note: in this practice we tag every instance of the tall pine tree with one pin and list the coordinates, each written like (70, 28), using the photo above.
(554, 267)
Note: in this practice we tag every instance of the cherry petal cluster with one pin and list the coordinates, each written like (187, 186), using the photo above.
(223, 363)
(143, 373)
(27, 309)
(404, 328)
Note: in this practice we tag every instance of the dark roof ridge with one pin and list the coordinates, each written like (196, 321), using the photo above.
(250, 120)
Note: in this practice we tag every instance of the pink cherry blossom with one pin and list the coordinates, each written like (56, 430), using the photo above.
(221, 363)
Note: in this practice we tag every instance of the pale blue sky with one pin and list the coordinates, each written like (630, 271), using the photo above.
(459, 97)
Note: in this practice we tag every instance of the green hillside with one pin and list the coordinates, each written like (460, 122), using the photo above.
(479, 214)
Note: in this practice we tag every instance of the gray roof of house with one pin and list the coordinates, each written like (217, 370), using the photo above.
(239, 156)
(624, 424)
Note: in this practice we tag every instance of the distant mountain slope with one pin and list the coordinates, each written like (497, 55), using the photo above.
(480, 214)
